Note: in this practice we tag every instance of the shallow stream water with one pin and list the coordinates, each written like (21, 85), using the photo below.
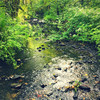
(39, 59)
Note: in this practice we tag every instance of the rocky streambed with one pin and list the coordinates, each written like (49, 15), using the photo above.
(74, 75)
(71, 73)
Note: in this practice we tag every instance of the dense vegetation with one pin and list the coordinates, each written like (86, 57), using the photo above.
(77, 20)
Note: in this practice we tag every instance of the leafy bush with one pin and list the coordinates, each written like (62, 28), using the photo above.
(83, 25)
(80, 24)
(13, 37)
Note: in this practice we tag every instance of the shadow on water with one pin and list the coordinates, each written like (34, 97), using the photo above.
(38, 55)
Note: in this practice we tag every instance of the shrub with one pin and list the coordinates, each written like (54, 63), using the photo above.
(13, 36)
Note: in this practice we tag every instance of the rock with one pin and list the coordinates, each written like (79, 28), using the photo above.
(41, 21)
(58, 68)
(43, 85)
(43, 48)
(42, 45)
(84, 87)
(83, 79)
(65, 70)
(95, 77)
(55, 75)
(49, 94)
(39, 47)
(48, 45)
(17, 76)
(98, 98)
(75, 96)
(16, 85)
(14, 95)
(37, 39)
(31, 99)
(71, 82)
(0, 67)
(97, 82)
(34, 20)
(62, 44)
(39, 50)
(84, 98)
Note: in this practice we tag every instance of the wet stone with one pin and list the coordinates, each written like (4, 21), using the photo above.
(71, 82)
(17, 76)
(84, 98)
(58, 68)
(42, 45)
(55, 76)
(98, 98)
(75, 96)
(83, 79)
(48, 45)
(43, 85)
(50, 94)
(66, 70)
(84, 87)
(16, 85)
(37, 39)
(39, 50)
(43, 48)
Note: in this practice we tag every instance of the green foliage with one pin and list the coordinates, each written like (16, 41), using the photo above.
(77, 83)
(13, 37)
(83, 25)
(64, 19)
(76, 20)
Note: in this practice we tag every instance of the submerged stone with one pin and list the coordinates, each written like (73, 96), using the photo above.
(17, 76)
(75, 96)
(43, 48)
(84, 87)
(16, 85)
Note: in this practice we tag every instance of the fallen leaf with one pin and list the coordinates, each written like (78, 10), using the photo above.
(83, 98)
(26, 83)
(86, 75)
(14, 95)
(50, 63)
(20, 80)
(49, 83)
(72, 87)
(64, 63)
(31, 99)
(18, 59)
(53, 73)
(67, 87)
(45, 95)
(97, 82)
(94, 75)
(38, 95)
(59, 88)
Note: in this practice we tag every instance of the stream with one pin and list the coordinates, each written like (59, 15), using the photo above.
(60, 70)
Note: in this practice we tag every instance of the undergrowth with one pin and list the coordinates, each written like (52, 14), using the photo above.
(13, 37)
(63, 19)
